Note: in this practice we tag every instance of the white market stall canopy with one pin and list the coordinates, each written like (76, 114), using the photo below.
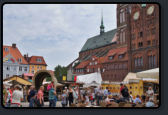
(58, 84)
(91, 84)
(89, 78)
(152, 73)
(129, 76)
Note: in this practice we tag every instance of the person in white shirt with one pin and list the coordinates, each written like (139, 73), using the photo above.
(107, 100)
(17, 97)
(150, 93)
(130, 97)
(87, 98)
(106, 93)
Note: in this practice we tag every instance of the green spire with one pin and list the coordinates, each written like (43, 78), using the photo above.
(102, 26)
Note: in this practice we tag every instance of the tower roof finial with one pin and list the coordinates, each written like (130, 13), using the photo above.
(102, 26)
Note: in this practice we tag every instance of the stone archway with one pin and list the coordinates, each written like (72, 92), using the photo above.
(40, 75)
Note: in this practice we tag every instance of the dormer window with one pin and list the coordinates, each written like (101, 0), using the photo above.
(6, 49)
(20, 59)
(110, 57)
(90, 63)
(92, 58)
(39, 60)
(120, 56)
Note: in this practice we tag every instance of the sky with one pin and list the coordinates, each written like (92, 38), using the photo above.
(55, 31)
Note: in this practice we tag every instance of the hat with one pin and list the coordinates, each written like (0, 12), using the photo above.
(65, 87)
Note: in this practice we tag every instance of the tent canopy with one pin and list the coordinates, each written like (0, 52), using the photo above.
(92, 84)
(152, 73)
(89, 78)
(130, 75)
(58, 84)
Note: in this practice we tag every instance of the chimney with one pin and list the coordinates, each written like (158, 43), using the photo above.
(27, 57)
(14, 45)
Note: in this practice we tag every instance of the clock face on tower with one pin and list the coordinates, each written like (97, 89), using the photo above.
(136, 15)
(150, 10)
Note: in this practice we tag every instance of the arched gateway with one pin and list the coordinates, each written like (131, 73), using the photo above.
(40, 75)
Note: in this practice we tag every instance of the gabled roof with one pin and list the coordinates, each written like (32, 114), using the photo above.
(116, 52)
(82, 64)
(33, 60)
(15, 53)
(99, 40)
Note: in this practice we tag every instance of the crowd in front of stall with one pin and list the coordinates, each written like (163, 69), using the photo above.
(86, 97)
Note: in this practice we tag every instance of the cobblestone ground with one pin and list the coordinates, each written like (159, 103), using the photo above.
(46, 104)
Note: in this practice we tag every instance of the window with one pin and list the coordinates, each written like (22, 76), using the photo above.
(14, 68)
(6, 49)
(123, 16)
(138, 61)
(98, 69)
(113, 87)
(140, 34)
(149, 62)
(120, 37)
(108, 66)
(154, 59)
(25, 68)
(40, 67)
(119, 65)
(110, 87)
(37, 67)
(123, 65)
(39, 60)
(20, 68)
(32, 71)
(120, 56)
(90, 63)
(95, 69)
(90, 70)
(135, 87)
(148, 42)
(135, 63)
(123, 37)
(153, 31)
(20, 59)
(8, 68)
(130, 87)
(32, 66)
(92, 58)
(110, 57)
(120, 18)
(95, 63)
(7, 75)
(4, 67)
(87, 70)
(115, 66)
(104, 67)
(141, 61)
(147, 33)
(112, 67)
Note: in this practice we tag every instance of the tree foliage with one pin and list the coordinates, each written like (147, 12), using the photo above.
(60, 71)
(76, 64)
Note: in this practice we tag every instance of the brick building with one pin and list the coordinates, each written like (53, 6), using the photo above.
(132, 47)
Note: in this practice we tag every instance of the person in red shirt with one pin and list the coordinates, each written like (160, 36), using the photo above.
(121, 87)
(91, 99)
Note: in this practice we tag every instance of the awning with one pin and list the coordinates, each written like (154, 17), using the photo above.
(14, 82)
(58, 84)
(151, 81)
(92, 84)
(152, 73)
(130, 75)
(28, 74)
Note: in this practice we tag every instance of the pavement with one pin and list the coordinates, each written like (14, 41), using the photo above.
(46, 104)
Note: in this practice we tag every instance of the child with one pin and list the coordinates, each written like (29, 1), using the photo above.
(50, 85)
(87, 98)
(91, 99)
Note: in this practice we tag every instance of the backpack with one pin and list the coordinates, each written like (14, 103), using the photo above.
(126, 93)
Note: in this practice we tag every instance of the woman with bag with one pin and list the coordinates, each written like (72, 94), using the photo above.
(40, 97)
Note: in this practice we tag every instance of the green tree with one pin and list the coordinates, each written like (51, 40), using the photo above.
(60, 71)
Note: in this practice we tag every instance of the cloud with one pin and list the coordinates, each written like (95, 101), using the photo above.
(55, 31)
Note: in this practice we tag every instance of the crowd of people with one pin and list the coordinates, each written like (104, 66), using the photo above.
(89, 96)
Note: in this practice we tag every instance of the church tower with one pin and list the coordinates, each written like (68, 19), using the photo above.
(102, 26)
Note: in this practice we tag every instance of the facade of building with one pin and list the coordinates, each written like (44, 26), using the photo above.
(132, 47)
(36, 63)
(13, 62)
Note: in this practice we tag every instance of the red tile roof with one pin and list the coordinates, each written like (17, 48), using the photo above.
(115, 58)
(15, 53)
(82, 64)
(52, 72)
(33, 60)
